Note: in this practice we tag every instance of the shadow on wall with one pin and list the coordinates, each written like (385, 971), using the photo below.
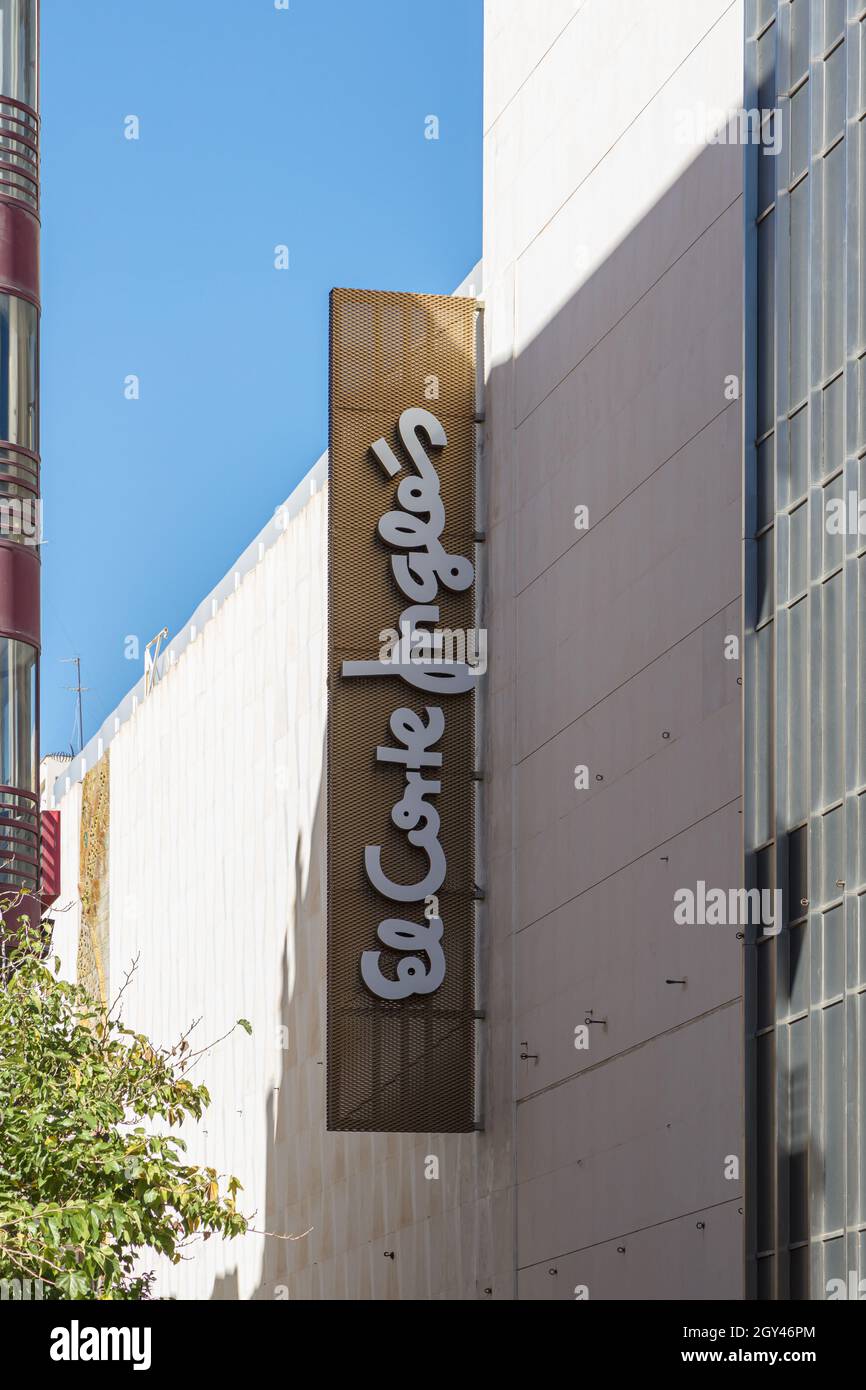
(617, 403)
(291, 1165)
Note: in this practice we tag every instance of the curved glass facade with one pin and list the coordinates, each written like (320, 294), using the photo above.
(18, 49)
(19, 372)
(18, 749)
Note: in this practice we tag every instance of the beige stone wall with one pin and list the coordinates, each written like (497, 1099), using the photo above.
(217, 879)
(613, 258)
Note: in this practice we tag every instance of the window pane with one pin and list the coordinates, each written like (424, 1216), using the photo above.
(834, 257)
(18, 716)
(832, 438)
(798, 873)
(797, 551)
(798, 719)
(798, 1129)
(766, 504)
(833, 1078)
(766, 396)
(832, 855)
(861, 260)
(831, 693)
(767, 159)
(799, 1274)
(861, 1030)
(799, 131)
(18, 51)
(798, 969)
(765, 595)
(18, 367)
(766, 1147)
(834, 20)
(832, 532)
(766, 968)
(834, 93)
(767, 69)
(798, 444)
(799, 38)
(799, 290)
(861, 654)
(762, 760)
(834, 952)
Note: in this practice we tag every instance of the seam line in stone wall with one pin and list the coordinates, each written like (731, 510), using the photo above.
(623, 1235)
(550, 47)
(641, 297)
(622, 685)
(628, 864)
(637, 487)
(589, 173)
(615, 1056)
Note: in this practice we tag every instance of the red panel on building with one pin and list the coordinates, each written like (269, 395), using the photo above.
(50, 857)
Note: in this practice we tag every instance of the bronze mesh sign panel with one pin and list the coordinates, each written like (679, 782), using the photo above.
(407, 1062)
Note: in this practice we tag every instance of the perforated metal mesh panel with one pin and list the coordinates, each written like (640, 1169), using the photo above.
(403, 1064)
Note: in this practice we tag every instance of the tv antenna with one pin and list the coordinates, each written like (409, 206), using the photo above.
(79, 690)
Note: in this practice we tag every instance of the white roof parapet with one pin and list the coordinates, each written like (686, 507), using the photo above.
(209, 607)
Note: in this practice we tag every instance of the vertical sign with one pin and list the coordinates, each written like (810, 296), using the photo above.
(401, 705)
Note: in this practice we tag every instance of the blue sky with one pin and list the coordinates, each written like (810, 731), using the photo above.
(258, 127)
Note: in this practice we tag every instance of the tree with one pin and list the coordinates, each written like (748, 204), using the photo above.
(91, 1175)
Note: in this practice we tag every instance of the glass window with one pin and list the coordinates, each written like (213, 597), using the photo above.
(798, 873)
(799, 291)
(18, 50)
(799, 1272)
(798, 1129)
(763, 750)
(832, 532)
(798, 567)
(834, 258)
(832, 441)
(798, 719)
(767, 167)
(861, 656)
(766, 1147)
(766, 490)
(861, 1030)
(767, 69)
(834, 20)
(799, 38)
(832, 854)
(19, 356)
(799, 131)
(834, 952)
(861, 260)
(832, 679)
(18, 716)
(834, 94)
(798, 969)
(766, 961)
(765, 596)
(766, 394)
(833, 1138)
(798, 444)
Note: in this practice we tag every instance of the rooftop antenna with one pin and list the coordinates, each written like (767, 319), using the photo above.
(151, 658)
(79, 689)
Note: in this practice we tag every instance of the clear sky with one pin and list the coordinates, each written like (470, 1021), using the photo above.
(258, 127)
